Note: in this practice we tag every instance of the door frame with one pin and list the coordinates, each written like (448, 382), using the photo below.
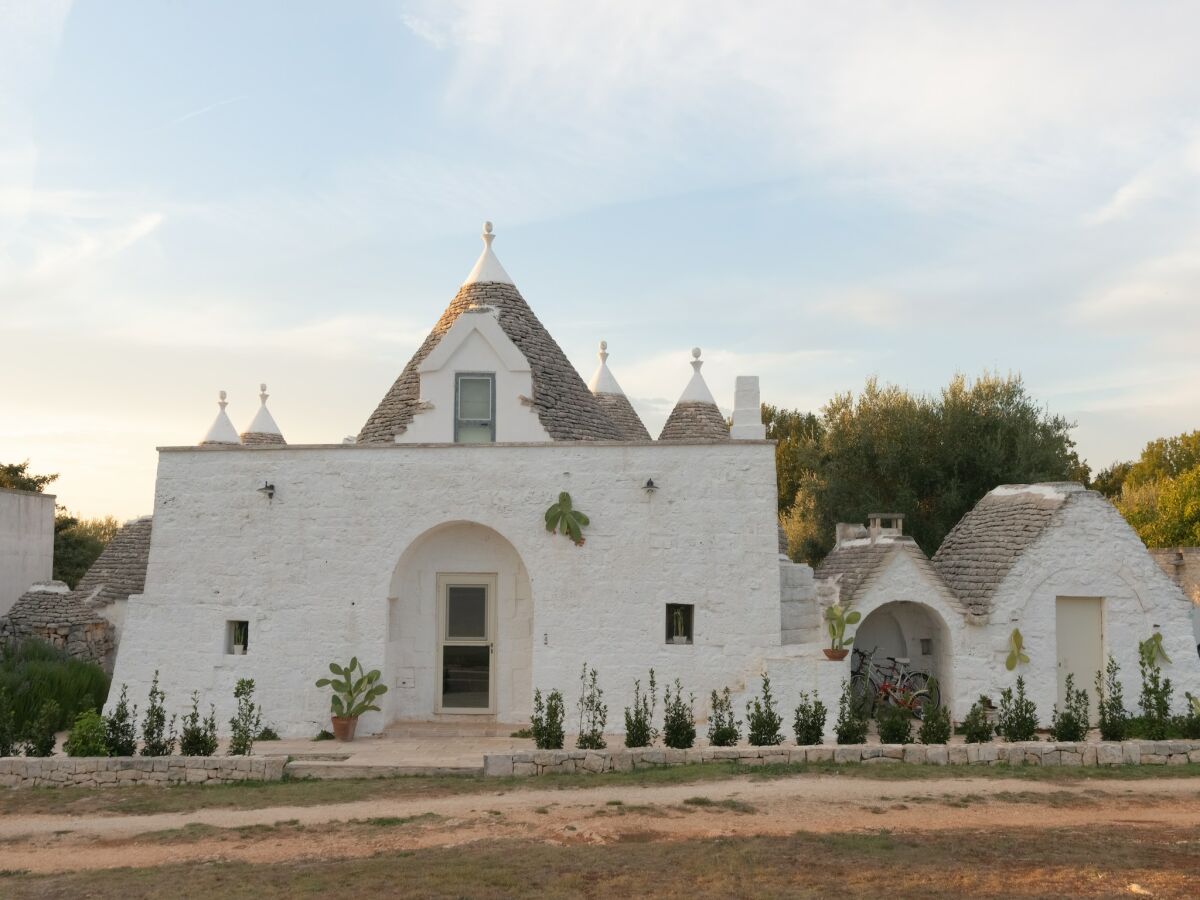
(446, 580)
(1084, 683)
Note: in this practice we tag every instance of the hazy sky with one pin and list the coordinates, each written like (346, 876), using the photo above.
(208, 195)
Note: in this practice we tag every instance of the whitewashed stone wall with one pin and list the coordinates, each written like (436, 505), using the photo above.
(313, 569)
(1088, 551)
(26, 542)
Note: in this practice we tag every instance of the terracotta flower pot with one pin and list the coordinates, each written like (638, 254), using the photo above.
(343, 727)
(835, 654)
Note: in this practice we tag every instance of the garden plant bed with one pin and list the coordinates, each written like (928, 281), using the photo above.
(1029, 753)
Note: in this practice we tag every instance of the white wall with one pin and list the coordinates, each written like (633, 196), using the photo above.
(314, 568)
(26, 542)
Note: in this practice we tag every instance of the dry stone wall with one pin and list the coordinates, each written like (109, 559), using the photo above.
(1033, 753)
(60, 618)
(67, 771)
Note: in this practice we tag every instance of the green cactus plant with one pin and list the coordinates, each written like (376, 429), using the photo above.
(353, 694)
(1016, 650)
(837, 618)
(563, 518)
(1151, 650)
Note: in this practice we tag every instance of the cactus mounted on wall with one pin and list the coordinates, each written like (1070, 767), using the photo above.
(1151, 650)
(562, 517)
(1016, 650)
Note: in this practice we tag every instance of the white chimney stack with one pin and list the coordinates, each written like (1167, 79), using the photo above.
(747, 411)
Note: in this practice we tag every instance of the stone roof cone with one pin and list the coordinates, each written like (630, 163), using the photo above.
(263, 429)
(696, 415)
(565, 407)
(221, 431)
(613, 401)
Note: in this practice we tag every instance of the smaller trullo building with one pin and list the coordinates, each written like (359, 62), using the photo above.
(421, 548)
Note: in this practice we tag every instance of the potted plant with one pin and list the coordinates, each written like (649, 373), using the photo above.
(837, 618)
(353, 695)
(240, 633)
(679, 627)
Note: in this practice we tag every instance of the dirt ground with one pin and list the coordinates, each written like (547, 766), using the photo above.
(740, 807)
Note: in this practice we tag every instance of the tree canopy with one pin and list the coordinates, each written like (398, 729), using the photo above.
(18, 477)
(1160, 492)
(929, 457)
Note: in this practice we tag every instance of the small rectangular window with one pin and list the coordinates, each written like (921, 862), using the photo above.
(474, 408)
(679, 623)
(237, 637)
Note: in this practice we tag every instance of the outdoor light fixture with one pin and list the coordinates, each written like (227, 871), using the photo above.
(268, 489)
(650, 487)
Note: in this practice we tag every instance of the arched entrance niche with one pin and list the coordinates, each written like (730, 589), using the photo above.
(906, 629)
(441, 631)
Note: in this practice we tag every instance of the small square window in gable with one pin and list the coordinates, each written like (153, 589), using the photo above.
(680, 623)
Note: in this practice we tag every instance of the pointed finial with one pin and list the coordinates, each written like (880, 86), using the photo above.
(221, 401)
(603, 354)
(262, 394)
(696, 361)
(488, 237)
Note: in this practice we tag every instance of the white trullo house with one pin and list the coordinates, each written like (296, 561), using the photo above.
(421, 548)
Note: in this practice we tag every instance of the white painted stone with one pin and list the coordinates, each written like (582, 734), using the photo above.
(487, 267)
(221, 431)
(26, 542)
(747, 410)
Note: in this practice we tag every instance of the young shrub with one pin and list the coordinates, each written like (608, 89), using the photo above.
(8, 726)
(849, 727)
(593, 712)
(247, 721)
(157, 740)
(762, 721)
(895, 724)
(546, 723)
(935, 727)
(40, 733)
(1188, 725)
(1018, 715)
(723, 729)
(199, 736)
(34, 672)
(809, 723)
(1072, 723)
(266, 733)
(87, 735)
(639, 721)
(1110, 703)
(975, 727)
(120, 728)
(679, 721)
(1155, 699)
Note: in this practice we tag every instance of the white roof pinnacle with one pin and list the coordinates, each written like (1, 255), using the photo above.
(487, 267)
(603, 381)
(222, 430)
(264, 422)
(697, 390)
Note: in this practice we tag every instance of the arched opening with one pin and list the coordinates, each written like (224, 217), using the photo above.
(460, 628)
(912, 631)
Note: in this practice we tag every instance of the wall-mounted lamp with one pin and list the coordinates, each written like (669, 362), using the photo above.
(268, 489)
(649, 487)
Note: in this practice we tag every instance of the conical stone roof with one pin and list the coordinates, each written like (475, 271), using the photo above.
(696, 416)
(263, 430)
(565, 406)
(613, 401)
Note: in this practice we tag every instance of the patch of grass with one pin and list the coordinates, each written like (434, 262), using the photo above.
(146, 800)
(393, 821)
(1078, 862)
(729, 804)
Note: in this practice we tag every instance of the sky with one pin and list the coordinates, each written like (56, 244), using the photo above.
(207, 196)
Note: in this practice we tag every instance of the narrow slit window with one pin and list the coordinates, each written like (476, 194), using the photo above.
(237, 637)
(680, 620)
(474, 408)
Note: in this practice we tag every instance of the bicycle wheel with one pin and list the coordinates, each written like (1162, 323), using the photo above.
(862, 695)
(925, 691)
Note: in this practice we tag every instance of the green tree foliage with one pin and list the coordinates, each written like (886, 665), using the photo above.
(1165, 458)
(929, 457)
(1110, 480)
(18, 477)
(1159, 493)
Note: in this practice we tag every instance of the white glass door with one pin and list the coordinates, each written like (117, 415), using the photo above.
(466, 653)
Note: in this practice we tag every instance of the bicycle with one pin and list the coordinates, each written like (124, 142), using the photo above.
(895, 684)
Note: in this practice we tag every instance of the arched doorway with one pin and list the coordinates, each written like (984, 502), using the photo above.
(460, 628)
(907, 630)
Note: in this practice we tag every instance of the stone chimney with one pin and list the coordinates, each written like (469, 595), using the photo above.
(747, 410)
(877, 529)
